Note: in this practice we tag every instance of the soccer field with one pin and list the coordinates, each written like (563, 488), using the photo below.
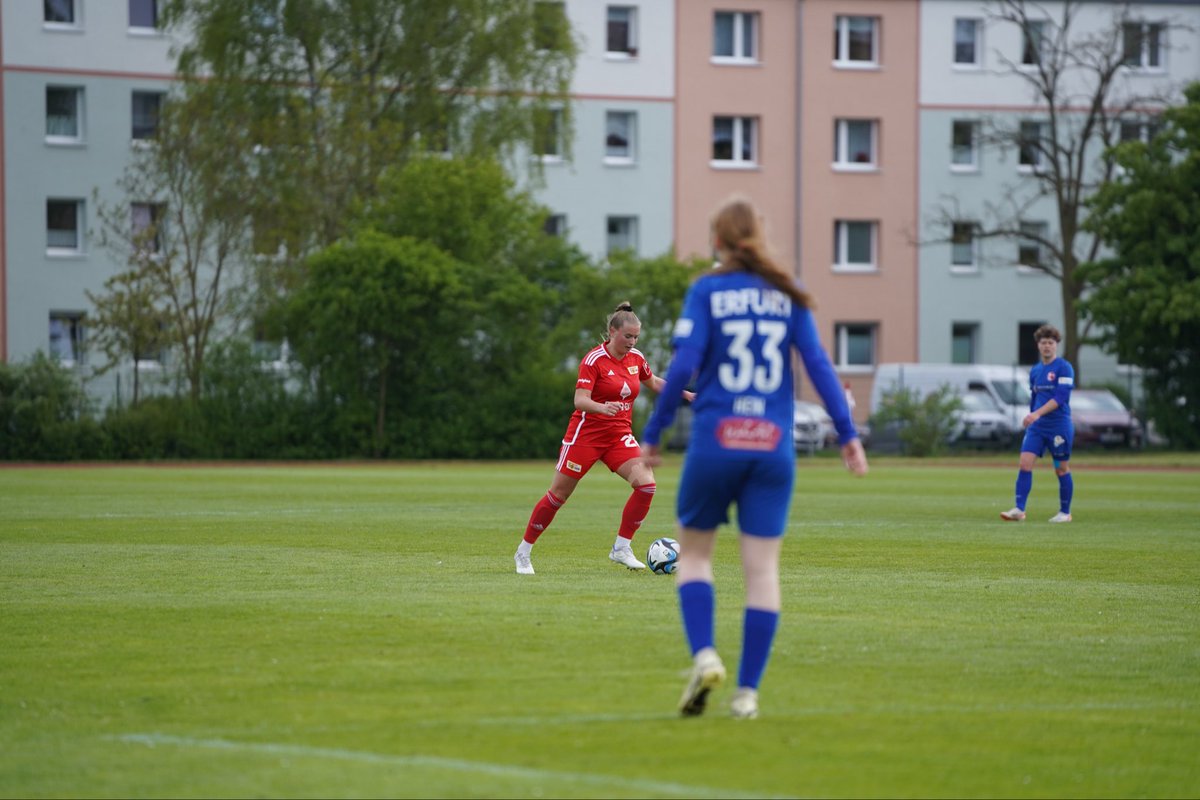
(359, 631)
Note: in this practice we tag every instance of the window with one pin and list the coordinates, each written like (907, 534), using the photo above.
(1139, 131)
(143, 13)
(855, 342)
(147, 227)
(962, 246)
(619, 130)
(734, 141)
(64, 227)
(1143, 45)
(66, 336)
(1031, 144)
(856, 41)
(735, 36)
(963, 154)
(622, 31)
(146, 106)
(1033, 42)
(622, 234)
(64, 114)
(555, 225)
(549, 25)
(1027, 351)
(966, 42)
(964, 337)
(548, 134)
(854, 246)
(59, 12)
(1030, 250)
(854, 144)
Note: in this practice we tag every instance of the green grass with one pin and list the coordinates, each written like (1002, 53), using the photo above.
(358, 630)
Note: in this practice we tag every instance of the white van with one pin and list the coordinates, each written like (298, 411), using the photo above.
(1007, 386)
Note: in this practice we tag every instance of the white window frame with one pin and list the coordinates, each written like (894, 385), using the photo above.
(77, 92)
(133, 114)
(555, 225)
(1039, 158)
(841, 47)
(842, 230)
(631, 38)
(76, 22)
(630, 222)
(1039, 29)
(155, 5)
(971, 165)
(740, 20)
(841, 334)
(744, 130)
(1038, 228)
(842, 146)
(555, 156)
(630, 155)
(976, 44)
(59, 250)
(1150, 57)
(972, 246)
(73, 333)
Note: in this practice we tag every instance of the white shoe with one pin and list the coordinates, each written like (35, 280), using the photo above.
(744, 704)
(707, 674)
(524, 564)
(1061, 517)
(625, 556)
(1014, 514)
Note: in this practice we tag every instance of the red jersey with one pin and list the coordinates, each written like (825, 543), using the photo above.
(608, 379)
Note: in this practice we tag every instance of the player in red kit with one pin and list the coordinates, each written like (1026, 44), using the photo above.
(601, 429)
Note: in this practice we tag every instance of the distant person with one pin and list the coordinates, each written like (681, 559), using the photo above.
(601, 429)
(740, 323)
(1047, 425)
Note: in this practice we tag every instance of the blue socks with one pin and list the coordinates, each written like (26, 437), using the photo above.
(1066, 488)
(1024, 484)
(697, 603)
(758, 632)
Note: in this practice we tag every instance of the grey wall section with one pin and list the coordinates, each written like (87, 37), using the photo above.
(997, 296)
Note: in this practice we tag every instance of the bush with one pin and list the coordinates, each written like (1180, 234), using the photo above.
(922, 424)
(44, 413)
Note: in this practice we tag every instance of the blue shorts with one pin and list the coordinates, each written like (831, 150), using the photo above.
(760, 485)
(1056, 439)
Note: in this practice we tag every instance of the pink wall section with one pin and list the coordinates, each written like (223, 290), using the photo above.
(765, 90)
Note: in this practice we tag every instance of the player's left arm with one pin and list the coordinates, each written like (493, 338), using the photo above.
(656, 384)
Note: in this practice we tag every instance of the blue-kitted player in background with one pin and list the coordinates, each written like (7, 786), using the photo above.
(1047, 426)
(740, 324)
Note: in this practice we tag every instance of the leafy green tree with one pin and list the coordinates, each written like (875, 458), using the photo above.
(333, 92)
(1148, 290)
(127, 322)
(924, 424)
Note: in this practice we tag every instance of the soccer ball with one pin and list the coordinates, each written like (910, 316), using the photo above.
(663, 555)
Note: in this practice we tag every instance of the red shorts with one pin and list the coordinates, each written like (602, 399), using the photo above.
(574, 460)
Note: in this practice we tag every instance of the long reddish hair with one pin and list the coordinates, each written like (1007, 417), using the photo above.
(743, 248)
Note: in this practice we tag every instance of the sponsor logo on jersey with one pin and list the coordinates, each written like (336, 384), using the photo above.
(632, 370)
(625, 390)
(585, 380)
(571, 465)
(747, 433)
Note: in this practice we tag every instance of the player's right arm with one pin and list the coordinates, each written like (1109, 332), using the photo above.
(584, 402)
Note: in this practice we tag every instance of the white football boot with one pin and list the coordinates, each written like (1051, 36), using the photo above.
(707, 674)
(524, 564)
(744, 704)
(1014, 514)
(625, 557)
(1061, 517)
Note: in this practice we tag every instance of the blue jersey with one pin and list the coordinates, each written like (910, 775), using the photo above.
(735, 336)
(1053, 381)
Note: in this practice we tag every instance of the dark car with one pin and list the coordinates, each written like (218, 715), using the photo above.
(1102, 420)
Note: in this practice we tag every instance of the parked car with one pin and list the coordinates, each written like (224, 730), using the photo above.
(981, 421)
(812, 427)
(1102, 420)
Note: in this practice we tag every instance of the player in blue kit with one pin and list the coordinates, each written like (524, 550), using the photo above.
(739, 325)
(1047, 426)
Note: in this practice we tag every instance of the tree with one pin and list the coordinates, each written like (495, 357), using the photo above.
(1078, 77)
(127, 322)
(333, 92)
(180, 223)
(1148, 289)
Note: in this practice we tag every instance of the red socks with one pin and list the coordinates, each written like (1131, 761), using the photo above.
(636, 509)
(542, 514)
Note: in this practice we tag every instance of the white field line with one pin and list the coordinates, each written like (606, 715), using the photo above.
(633, 785)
